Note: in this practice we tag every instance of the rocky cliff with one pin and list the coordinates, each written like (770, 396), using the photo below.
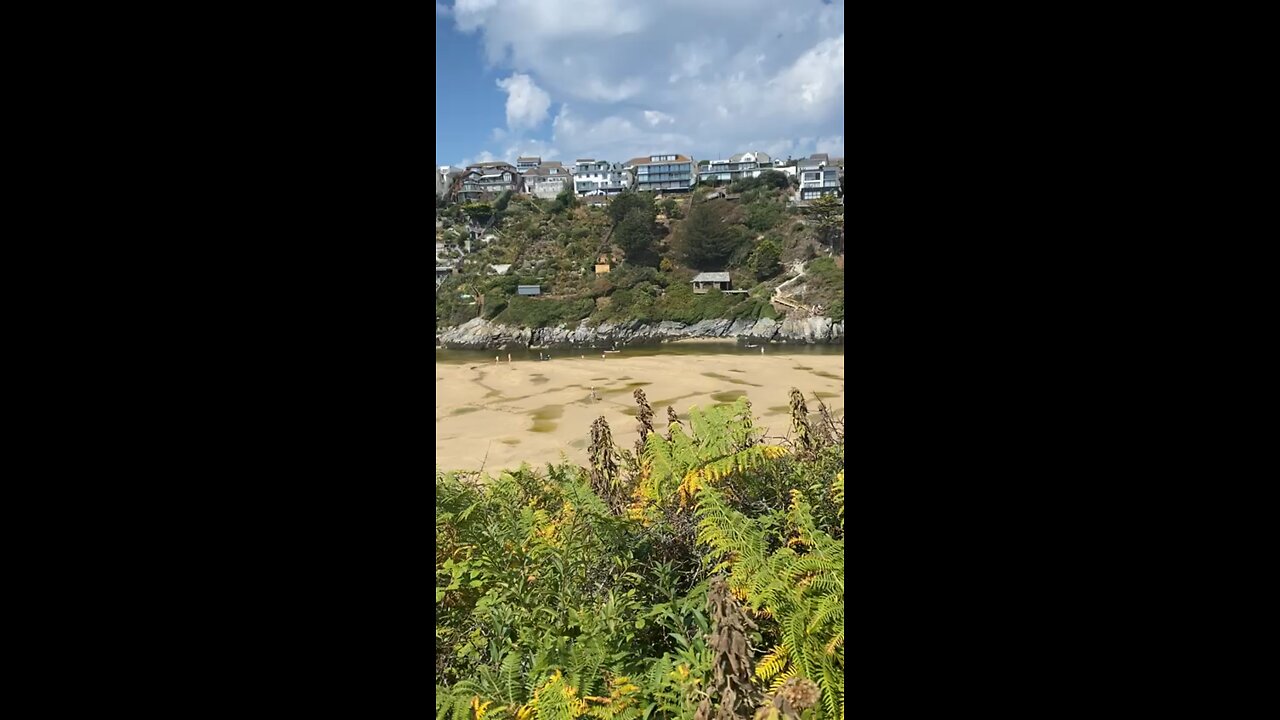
(479, 334)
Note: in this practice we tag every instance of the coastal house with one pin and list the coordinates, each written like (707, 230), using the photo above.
(818, 177)
(665, 173)
(547, 180)
(599, 177)
(737, 167)
(486, 181)
(445, 175)
(708, 280)
(527, 163)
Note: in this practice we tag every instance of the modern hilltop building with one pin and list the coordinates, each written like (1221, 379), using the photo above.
(666, 173)
(818, 177)
(742, 165)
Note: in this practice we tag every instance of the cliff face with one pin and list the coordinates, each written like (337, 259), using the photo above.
(480, 334)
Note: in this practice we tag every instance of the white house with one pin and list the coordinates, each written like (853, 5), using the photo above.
(599, 177)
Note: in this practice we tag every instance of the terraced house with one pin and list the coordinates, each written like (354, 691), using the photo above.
(547, 180)
(599, 177)
(666, 173)
(742, 165)
(486, 180)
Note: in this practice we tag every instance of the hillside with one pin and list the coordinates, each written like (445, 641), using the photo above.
(654, 247)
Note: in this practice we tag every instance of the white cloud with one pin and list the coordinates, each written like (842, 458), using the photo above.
(833, 146)
(527, 104)
(531, 148)
(656, 118)
(713, 77)
(484, 156)
(816, 79)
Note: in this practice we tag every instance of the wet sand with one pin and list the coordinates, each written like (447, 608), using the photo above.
(534, 411)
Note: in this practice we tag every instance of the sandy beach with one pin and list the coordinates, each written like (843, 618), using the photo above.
(534, 411)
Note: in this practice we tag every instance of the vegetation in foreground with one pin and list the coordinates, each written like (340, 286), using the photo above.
(697, 575)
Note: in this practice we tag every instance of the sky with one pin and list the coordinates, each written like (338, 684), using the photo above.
(618, 79)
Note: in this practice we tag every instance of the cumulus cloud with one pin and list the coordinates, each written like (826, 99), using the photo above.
(637, 78)
(527, 104)
(656, 118)
(483, 156)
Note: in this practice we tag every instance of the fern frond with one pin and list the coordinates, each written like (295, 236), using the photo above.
(773, 663)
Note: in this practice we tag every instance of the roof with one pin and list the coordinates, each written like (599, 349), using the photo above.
(646, 161)
(528, 159)
(820, 156)
(712, 277)
(501, 269)
(545, 170)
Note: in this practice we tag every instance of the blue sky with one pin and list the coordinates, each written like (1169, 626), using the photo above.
(616, 79)
(468, 102)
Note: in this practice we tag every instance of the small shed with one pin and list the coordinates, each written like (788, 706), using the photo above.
(602, 265)
(708, 280)
(528, 289)
(500, 269)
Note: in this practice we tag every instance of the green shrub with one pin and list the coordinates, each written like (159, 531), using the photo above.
(764, 216)
(542, 312)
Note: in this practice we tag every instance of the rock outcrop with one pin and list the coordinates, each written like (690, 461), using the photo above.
(480, 334)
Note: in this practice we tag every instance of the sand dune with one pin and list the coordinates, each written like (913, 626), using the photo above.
(534, 411)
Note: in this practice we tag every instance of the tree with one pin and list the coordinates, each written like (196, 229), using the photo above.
(706, 240)
(503, 200)
(478, 210)
(827, 213)
(766, 259)
(566, 200)
(635, 235)
(623, 204)
(774, 179)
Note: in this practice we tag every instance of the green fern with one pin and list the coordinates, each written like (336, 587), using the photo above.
(803, 591)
